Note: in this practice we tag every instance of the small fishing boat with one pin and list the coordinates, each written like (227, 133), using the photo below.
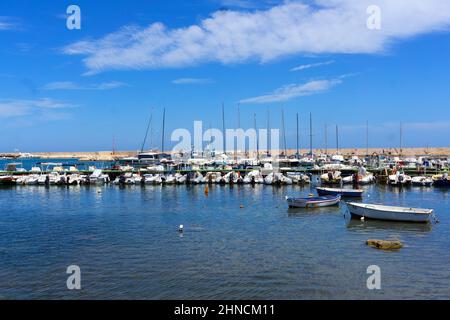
(389, 213)
(341, 192)
(313, 202)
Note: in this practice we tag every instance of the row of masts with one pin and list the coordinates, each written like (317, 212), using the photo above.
(149, 127)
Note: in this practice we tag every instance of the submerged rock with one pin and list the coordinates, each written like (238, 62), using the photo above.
(384, 244)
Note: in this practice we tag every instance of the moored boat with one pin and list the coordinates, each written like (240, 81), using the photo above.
(422, 181)
(313, 202)
(342, 192)
(441, 180)
(389, 213)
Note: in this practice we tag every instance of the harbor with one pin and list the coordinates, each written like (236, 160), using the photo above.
(161, 168)
(225, 150)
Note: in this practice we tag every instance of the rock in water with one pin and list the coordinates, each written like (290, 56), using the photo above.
(384, 244)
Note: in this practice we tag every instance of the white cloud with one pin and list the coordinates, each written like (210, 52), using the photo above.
(311, 65)
(291, 28)
(191, 81)
(291, 91)
(43, 107)
(68, 85)
(8, 23)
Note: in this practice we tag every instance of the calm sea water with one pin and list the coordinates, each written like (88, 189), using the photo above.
(127, 244)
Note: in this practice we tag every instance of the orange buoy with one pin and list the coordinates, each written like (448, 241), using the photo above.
(206, 190)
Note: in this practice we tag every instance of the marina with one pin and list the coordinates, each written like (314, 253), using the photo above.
(163, 168)
(228, 150)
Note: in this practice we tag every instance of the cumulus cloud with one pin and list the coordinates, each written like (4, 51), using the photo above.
(44, 107)
(191, 81)
(291, 91)
(69, 85)
(311, 65)
(290, 28)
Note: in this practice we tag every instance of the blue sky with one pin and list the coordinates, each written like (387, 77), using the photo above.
(74, 90)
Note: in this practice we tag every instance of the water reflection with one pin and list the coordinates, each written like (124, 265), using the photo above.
(378, 225)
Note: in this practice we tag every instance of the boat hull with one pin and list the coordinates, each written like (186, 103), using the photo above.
(340, 192)
(400, 214)
(442, 183)
(315, 202)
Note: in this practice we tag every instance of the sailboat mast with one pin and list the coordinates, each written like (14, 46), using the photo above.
(146, 132)
(239, 116)
(310, 135)
(268, 133)
(326, 139)
(367, 138)
(337, 139)
(114, 144)
(284, 131)
(257, 136)
(298, 152)
(163, 129)
(401, 138)
(223, 129)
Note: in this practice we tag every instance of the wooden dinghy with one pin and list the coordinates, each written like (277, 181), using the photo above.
(313, 202)
(389, 213)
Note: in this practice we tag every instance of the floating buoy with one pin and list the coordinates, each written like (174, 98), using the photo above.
(241, 206)
(384, 244)
(180, 228)
(362, 218)
(206, 190)
(99, 190)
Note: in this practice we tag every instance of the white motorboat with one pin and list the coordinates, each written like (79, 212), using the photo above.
(98, 177)
(253, 176)
(33, 179)
(390, 213)
(399, 179)
(180, 178)
(169, 179)
(422, 181)
(333, 177)
(298, 178)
